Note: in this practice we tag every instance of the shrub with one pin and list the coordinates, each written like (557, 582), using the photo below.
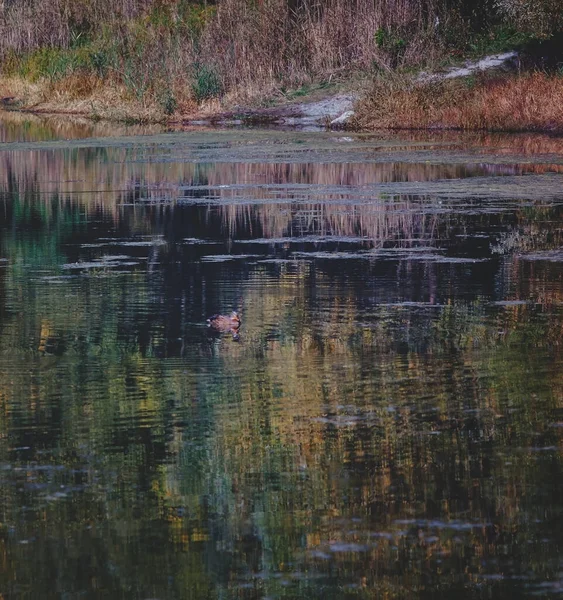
(168, 102)
(206, 83)
(391, 42)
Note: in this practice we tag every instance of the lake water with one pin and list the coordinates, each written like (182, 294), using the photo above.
(387, 422)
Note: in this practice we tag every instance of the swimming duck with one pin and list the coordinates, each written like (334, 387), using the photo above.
(224, 323)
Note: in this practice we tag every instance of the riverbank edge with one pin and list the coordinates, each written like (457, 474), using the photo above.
(524, 102)
(316, 105)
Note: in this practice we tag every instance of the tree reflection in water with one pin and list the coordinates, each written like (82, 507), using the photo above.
(389, 422)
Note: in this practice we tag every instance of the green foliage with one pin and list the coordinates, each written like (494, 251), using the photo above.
(470, 82)
(41, 63)
(206, 82)
(100, 62)
(11, 64)
(78, 38)
(55, 63)
(390, 41)
(183, 19)
(499, 39)
(305, 90)
(168, 102)
(162, 16)
(195, 17)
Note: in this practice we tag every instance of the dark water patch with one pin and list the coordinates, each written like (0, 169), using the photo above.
(443, 259)
(453, 525)
(309, 239)
(510, 303)
(198, 241)
(139, 243)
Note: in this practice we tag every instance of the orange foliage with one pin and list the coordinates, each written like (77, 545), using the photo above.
(527, 102)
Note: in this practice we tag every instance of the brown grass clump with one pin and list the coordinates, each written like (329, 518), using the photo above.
(85, 94)
(526, 102)
(75, 86)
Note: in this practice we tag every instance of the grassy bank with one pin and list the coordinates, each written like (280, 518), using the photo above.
(519, 102)
(157, 60)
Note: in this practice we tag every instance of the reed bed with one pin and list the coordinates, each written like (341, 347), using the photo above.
(163, 59)
(171, 55)
(527, 102)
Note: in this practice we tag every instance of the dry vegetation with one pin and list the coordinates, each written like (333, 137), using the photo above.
(527, 102)
(164, 59)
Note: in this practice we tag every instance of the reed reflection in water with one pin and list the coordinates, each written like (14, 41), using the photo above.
(387, 421)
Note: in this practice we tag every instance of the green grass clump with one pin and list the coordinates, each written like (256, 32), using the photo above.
(56, 63)
(206, 83)
(391, 41)
(499, 39)
(168, 102)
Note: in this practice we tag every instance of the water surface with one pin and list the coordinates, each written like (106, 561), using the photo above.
(387, 422)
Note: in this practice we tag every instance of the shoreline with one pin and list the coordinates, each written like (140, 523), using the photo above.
(506, 102)
(316, 107)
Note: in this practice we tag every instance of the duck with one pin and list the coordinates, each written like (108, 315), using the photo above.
(224, 323)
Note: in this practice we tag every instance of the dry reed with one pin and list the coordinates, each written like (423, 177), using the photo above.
(153, 59)
(200, 52)
(272, 41)
(527, 102)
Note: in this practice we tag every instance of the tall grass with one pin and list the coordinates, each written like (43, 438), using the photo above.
(168, 53)
(528, 102)
(276, 39)
(139, 51)
(205, 49)
(543, 17)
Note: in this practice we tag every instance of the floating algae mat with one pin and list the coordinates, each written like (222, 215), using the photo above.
(387, 420)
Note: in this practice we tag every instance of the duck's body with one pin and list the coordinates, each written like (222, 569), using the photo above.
(224, 322)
